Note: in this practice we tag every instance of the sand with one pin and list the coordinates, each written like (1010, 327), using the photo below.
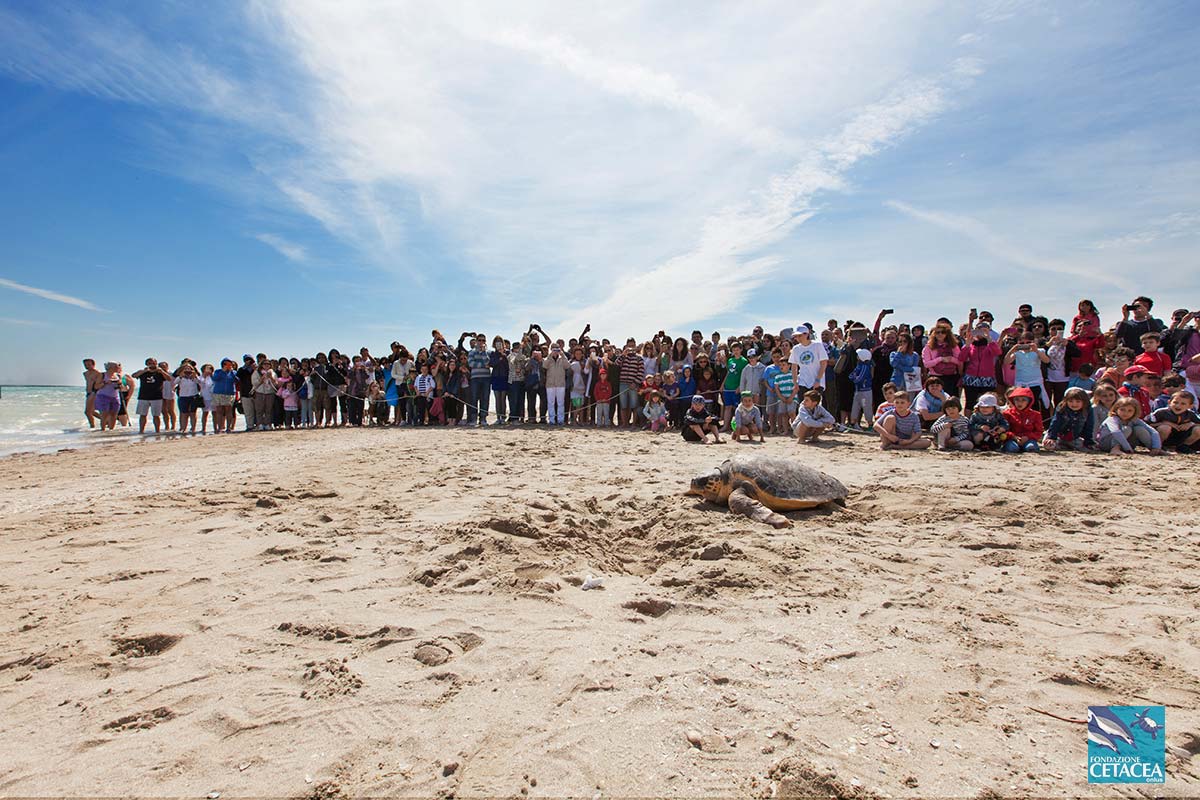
(383, 612)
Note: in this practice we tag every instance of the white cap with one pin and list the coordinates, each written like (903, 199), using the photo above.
(864, 354)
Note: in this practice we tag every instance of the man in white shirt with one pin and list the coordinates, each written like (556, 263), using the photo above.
(808, 361)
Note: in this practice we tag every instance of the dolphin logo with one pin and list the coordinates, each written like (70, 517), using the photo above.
(1098, 737)
(1109, 724)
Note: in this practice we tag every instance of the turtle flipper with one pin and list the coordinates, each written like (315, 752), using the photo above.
(742, 503)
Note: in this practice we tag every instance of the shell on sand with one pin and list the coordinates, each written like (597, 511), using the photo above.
(782, 484)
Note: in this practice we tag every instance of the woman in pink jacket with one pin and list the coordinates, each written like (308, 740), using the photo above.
(979, 359)
(940, 358)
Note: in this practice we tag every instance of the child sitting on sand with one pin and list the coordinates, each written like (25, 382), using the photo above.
(1073, 424)
(747, 419)
(812, 419)
(989, 428)
(889, 392)
(900, 428)
(1024, 423)
(1124, 430)
(1177, 423)
(952, 430)
(698, 423)
(1132, 387)
(655, 412)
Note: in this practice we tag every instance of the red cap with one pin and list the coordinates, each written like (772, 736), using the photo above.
(1136, 369)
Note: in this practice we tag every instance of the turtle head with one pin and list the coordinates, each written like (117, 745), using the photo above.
(707, 485)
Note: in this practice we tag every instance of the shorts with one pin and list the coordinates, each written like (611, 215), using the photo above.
(576, 402)
(189, 404)
(690, 435)
(222, 400)
(108, 403)
(152, 407)
(730, 397)
(782, 406)
(628, 396)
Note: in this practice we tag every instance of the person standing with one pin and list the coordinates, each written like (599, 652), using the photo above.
(632, 370)
(518, 360)
(262, 382)
(92, 380)
(245, 377)
(498, 361)
(556, 385)
(1130, 331)
(224, 387)
(480, 365)
(150, 393)
(808, 361)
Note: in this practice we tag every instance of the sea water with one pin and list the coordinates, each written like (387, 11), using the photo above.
(43, 419)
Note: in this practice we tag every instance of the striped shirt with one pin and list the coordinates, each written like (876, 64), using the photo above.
(633, 369)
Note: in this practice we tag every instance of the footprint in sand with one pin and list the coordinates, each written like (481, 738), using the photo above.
(330, 678)
(435, 652)
(141, 720)
(142, 646)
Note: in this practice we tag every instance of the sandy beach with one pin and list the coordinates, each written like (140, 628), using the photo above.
(398, 612)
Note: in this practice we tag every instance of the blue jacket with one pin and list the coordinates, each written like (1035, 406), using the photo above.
(1072, 425)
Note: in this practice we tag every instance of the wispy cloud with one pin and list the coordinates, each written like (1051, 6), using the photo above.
(289, 250)
(1004, 248)
(25, 323)
(730, 262)
(47, 294)
(1173, 226)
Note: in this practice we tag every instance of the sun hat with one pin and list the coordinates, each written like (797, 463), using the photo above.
(988, 401)
(863, 354)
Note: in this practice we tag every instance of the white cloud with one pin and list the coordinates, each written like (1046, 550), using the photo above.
(1003, 248)
(289, 250)
(1174, 226)
(47, 294)
(721, 271)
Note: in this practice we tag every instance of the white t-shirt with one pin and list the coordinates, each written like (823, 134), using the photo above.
(808, 358)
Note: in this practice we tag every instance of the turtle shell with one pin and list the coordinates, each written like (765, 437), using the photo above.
(782, 484)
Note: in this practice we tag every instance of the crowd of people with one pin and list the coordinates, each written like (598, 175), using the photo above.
(1037, 383)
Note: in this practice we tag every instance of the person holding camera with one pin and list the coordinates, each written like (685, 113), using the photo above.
(1130, 331)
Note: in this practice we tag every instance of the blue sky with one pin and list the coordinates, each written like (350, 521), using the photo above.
(210, 179)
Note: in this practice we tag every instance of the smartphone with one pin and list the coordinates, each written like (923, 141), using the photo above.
(974, 312)
(889, 311)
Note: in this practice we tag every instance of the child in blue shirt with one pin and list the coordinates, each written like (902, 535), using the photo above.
(1083, 378)
(862, 377)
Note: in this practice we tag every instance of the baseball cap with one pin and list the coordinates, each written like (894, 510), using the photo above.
(747, 393)
(247, 357)
(863, 354)
(751, 353)
(697, 399)
(988, 401)
(1136, 369)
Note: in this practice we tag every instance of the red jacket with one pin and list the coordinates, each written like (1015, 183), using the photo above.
(1027, 423)
(1157, 362)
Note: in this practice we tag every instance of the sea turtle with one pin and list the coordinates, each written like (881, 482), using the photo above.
(758, 485)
